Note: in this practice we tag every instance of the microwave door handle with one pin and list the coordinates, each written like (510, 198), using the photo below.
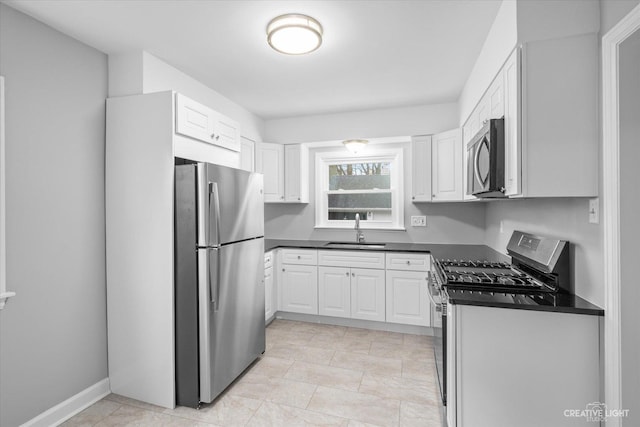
(476, 164)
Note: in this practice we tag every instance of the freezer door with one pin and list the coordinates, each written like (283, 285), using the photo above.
(230, 205)
(231, 313)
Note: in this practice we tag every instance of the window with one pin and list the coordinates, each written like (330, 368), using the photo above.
(368, 185)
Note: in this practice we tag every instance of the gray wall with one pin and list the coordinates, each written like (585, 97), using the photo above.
(629, 230)
(446, 222)
(612, 11)
(562, 218)
(53, 333)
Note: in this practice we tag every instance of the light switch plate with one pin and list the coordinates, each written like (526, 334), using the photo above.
(594, 211)
(418, 221)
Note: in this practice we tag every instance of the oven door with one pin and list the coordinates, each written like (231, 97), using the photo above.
(439, 325)
(485, 161)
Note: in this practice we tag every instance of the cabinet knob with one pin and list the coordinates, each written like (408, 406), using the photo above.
(413, 197)
(433, 195)
(283, 269)
(347, 273)
(408, 262)
(281, 197)
(353, 274)
(298, 256)
(298, 198)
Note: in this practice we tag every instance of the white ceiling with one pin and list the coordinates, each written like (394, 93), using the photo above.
(375, 54)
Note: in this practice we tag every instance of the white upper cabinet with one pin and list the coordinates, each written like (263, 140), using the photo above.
(247, 154)
(421, 168)
(296, 173)
(270, 163)
(512, 147)
(547, 92)
(201, 122)
(446, 177)
(286, 172)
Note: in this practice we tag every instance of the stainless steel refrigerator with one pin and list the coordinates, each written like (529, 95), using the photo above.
(219, 267)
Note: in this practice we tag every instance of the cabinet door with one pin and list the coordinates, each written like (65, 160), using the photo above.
(407, 300)
(421, 168)
(447, 166)
(247, 154)
(334, 291)
(299, 288)
(226, 133)
(195, 120)
(270, 163)
(495, 97)
(367, 294)
(269, 308)
(296, 173)
(512, 140)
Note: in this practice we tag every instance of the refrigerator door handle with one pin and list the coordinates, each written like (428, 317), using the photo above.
(214, 278)
(213, 190)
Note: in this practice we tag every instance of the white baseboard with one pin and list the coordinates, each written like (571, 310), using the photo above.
(70, 407)
(356, 323)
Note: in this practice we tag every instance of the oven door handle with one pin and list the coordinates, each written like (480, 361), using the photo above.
(438, 306)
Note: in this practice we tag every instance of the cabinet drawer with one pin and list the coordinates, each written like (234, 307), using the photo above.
(408, 261)
(268, 259)
(356, 259)
(300, 256)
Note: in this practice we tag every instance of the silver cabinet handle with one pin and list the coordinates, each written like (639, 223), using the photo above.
(408, 262)
(353, 274)
(283, 269)
(298, 256)
(347, 274)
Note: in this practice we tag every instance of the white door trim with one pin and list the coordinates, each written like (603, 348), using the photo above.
(611, 204)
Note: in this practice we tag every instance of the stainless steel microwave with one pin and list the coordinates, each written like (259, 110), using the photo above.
(485, 161)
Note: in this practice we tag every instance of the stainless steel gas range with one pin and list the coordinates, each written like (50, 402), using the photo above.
(538, 271)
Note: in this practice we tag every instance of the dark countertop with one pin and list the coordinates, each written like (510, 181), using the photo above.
(438, 250)
(557, 303)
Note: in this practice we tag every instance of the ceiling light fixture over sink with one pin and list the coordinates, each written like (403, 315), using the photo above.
(294, 34)
(355, 145)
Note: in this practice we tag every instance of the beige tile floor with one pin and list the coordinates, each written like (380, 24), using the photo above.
(310, 375)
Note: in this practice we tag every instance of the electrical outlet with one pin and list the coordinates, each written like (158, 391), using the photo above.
(418, 221)
(594, 211)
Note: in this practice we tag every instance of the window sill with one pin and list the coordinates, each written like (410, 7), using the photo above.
(350, 228)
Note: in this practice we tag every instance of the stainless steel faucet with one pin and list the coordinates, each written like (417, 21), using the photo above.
(359, 233)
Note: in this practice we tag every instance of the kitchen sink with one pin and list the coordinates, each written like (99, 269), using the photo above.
(355, 245)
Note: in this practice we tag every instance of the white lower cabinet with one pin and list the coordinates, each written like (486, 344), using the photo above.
(299, 288)
(356, 293)
(334, 291)
(367, 294)
(501, 360)
(407, 300)
(269, 308)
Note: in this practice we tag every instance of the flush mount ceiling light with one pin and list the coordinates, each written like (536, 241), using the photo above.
(294, 34)
(355, 145)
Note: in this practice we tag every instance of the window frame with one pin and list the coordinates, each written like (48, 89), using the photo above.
(390, 155)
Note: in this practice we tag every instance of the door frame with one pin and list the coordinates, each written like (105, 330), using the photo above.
(611, 206)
